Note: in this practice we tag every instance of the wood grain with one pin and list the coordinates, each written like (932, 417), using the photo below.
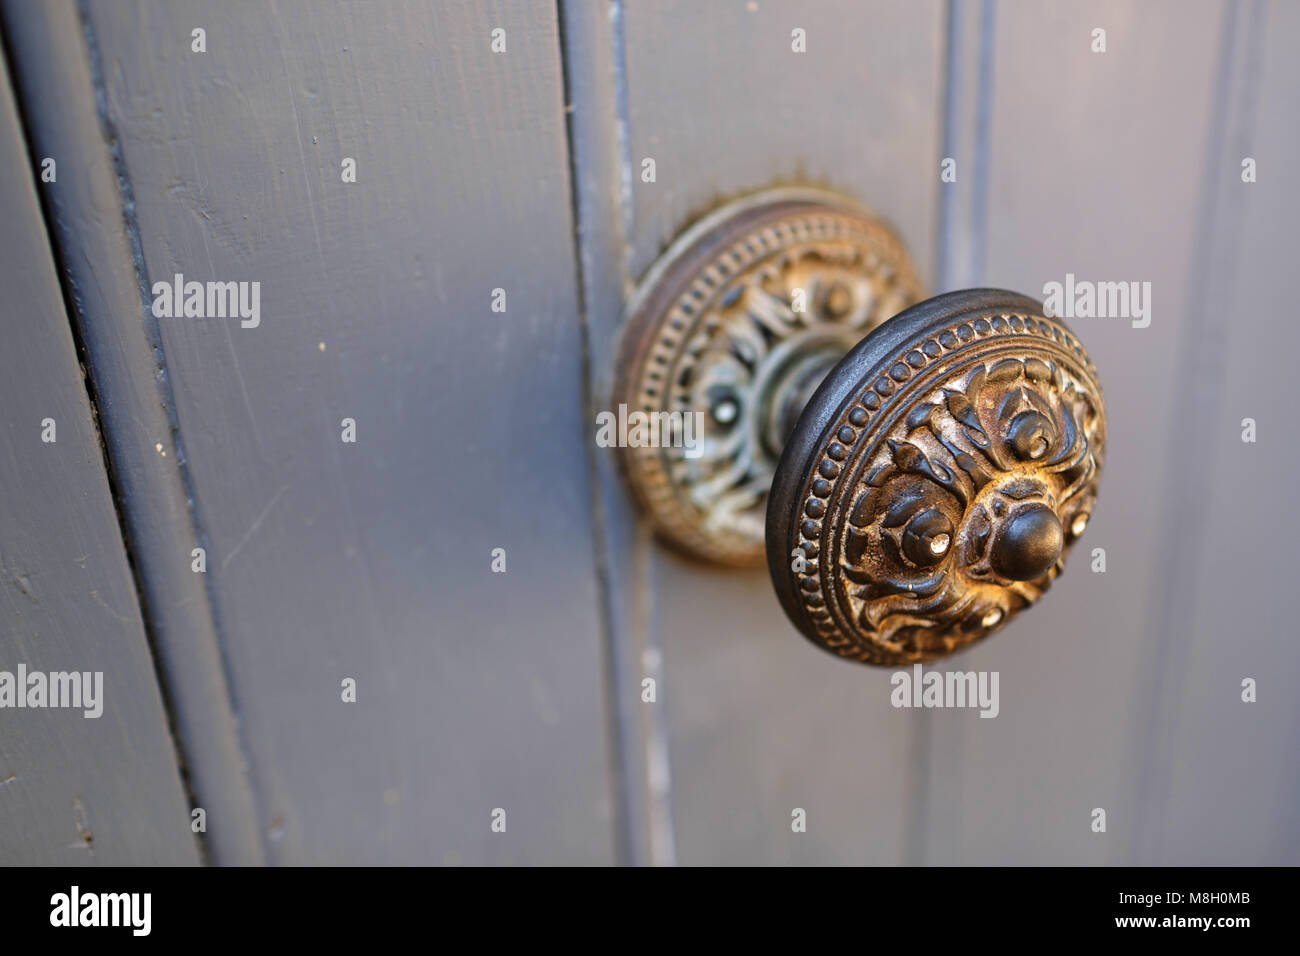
(73, 790)
(594, 73)
(1224, 790)
(373, 560)
(95, 234)
(1097, 167)
(759, 721)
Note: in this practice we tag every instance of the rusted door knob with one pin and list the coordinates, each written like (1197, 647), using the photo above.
(915, 472)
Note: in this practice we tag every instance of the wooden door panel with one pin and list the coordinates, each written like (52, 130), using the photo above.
(759, 723)
(1089, 172)
(475, 564)
(1118, 166)
(1224, 788)
(373, 560)
(75, 790)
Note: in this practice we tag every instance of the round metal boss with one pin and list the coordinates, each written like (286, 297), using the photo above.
(934, 483)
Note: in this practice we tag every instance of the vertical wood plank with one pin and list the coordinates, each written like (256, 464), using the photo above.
(74, 790)
(372, 560)
(1097, 167)
(596, 87)
(759, 721)
(94, 231)
(1218, 774)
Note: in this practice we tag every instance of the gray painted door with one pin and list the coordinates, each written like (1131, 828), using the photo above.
(95, 782)
(337, 567)
(1124, 691)
(398, 604)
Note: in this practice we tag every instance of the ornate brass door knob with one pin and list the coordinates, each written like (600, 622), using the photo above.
(914, 493)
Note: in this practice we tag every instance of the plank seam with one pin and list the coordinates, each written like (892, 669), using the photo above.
(102, 272)
(617, 715)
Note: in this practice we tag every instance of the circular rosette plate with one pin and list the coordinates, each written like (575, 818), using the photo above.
(935, 481)
(728, 335)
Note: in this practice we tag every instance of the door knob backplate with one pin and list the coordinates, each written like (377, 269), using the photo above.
(740, 320)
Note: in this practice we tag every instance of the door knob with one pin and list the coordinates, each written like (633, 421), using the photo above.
(914, 472)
